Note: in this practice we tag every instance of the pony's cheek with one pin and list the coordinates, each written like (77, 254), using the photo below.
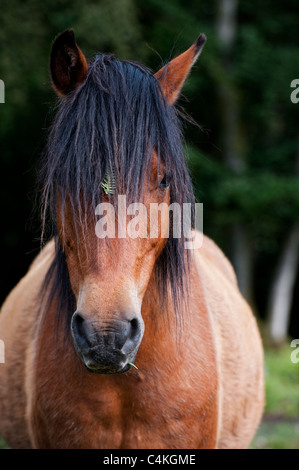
(147, 257)
(74, 274)
(143, 274)
(158, 219)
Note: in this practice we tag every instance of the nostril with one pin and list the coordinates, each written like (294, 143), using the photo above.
(80, 331)
(123, 334)
(133, 336)
(129, 332)
(135, 329)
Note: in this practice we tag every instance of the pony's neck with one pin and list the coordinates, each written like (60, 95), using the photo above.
(163, 329)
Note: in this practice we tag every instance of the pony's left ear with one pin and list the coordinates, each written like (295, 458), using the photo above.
(173, 75)
(68, 66)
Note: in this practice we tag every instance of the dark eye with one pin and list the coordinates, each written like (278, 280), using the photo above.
(165, 182)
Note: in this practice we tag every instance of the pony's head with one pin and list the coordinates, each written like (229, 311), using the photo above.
(115, 138)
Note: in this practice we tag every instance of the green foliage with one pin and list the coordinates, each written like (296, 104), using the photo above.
(282, 378)
(108, 184)
(277, 435)
(280, 428)
(262, 200)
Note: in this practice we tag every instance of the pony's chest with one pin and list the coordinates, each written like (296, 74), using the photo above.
(149, 419)
(145, 416)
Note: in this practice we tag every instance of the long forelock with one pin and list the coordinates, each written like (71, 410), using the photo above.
(110, 125)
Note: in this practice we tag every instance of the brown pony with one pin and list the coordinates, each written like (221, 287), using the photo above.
(91, 307)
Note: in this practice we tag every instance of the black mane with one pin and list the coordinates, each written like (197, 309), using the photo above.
(111, 123)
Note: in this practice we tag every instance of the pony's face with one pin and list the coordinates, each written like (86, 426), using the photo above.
(109, 276)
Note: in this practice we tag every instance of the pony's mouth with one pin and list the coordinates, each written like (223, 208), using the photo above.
(106, 369)
(97, 361)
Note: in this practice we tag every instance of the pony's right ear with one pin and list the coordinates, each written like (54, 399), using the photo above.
(173, 75)
(68, 65)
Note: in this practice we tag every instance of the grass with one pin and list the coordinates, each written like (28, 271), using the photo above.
(280, 426)
(131, 364)
(282, 382)
(279, 435)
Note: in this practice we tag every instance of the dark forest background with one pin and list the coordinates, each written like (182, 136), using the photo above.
(245, 160)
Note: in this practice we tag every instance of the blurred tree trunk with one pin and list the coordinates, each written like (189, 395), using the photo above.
(233, 139)
(282, 289)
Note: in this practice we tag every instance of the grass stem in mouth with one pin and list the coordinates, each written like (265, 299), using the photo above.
(131, 364)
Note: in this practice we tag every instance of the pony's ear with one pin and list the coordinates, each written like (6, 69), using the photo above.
(173, 75)
(68, 65)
